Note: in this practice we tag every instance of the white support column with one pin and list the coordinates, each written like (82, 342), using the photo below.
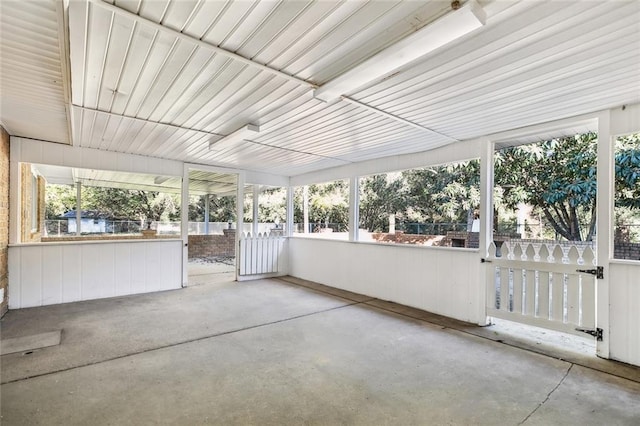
(239, 208)
(354, 213)
(207, 200)
(604, 225)
(239, 219)
(290, 216)
(256, 205)
(184, 225)
(486, 221)
(78, 207)
(305, 208)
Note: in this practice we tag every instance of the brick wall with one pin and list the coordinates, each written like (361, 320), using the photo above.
(29, 235)
(402, 238)
(629, 251)
(213, 245)
(4, 217)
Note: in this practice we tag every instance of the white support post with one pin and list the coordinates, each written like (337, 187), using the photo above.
(256, 196)
(78, 207)
(305, 208)
(184, 225)
(290, 217)
(239, 207)
(486, 221)
(239, 219)
(354, 202)
(604, 225)
(207, 200)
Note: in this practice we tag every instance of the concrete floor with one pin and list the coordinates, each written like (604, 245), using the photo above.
(276, 352)
(211, 270)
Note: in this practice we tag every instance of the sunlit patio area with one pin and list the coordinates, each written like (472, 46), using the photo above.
(320, 212)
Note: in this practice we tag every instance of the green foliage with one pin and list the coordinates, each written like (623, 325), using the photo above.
(328, 203)
(113, 203)
(381, 196)
(627, 168)
(556, 176)
(221, 209)
(273, 205)
(448, 193)
(59, 199)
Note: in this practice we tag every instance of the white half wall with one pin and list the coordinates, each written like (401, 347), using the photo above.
(624, 317)
(439, 280)
(51, 273)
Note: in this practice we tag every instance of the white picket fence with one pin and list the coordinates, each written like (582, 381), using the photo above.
(538, 284)
(262, 254)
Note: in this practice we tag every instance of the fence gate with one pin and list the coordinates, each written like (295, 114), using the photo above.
(546, 285)
(261, 254)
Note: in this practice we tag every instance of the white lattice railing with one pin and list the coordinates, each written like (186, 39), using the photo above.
(261, 254)
(538, 284)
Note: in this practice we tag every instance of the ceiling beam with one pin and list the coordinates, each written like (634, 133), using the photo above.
(174, 126)
(62, 10)
(397, 118)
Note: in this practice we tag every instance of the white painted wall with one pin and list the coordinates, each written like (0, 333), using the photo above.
(624, 319)
(439, 280)
(51, 273)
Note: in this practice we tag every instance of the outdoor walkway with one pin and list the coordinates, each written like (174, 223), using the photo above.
(275, 352)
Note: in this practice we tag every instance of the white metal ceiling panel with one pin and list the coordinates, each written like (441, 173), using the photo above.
(33, 101)
(148, 76)
(550, 60)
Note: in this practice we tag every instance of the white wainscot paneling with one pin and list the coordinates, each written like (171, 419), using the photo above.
(442, 281)
(624, 299)
(47, 274)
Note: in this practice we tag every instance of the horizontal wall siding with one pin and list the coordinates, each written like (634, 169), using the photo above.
(624, 299)
(46, 274)
(441, 281)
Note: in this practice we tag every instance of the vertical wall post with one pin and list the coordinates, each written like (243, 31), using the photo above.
(290, 216)
(239, 219)
(305, 208)
(256, 196)
(207, 200)
(604, 225)
(184, 225)
(354, 202)
(78, 207)
(486, 222)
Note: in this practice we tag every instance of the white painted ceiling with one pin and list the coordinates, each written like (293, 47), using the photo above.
(34, 92)
(159, 77)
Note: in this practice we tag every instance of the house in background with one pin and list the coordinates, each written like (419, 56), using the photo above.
(92, 222)
(229, 98)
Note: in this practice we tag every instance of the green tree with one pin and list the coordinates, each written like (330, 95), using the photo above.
(558, 177)
(273, 205)
(328, 203)
(627, 167)
(114, 203)
(381, 196)
(447, 193)
(127, 204)
(59, 199)
(221, 208)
